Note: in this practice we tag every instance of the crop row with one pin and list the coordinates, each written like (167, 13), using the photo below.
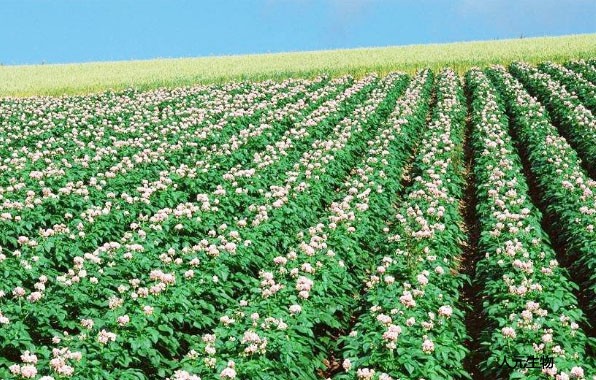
(530, 306)
(412, 326)
(566, 191)
(576, 121)
(584, 68)
(574, 82)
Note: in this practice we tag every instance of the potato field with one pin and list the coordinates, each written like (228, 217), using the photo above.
(429, 226)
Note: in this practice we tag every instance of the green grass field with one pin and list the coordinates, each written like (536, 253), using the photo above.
(93, 77)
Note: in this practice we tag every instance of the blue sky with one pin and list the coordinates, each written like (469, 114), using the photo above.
(60, 31)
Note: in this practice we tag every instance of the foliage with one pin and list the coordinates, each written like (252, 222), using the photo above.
(291, 229)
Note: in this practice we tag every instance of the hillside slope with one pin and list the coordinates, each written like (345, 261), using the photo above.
(94, 77)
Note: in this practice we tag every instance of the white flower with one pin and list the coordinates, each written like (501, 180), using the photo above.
(228, 372)
(104, 337)
(123, 319)
(428, 346)
(384, 319)
(15, 369)
(422, 280)
(28, 357)
(407, 300)
(508, 332)
(347, 365)
(445, 311)
(28, 371)
(392, 333)
(365, 373)
(577, 372)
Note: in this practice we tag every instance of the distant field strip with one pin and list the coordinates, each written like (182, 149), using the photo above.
(95, 77)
